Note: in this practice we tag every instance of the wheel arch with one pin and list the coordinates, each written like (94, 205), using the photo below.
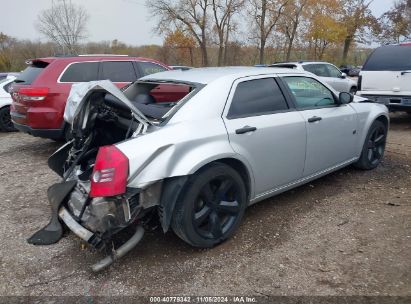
(369, 120)
(241, 168)
(174, 185)
(384, 120)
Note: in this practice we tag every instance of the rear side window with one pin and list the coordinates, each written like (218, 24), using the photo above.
(317, 69)
(257, 97)
(81, 72)
(151, 68)
(118, 71)
(389, 58)
(31, 72)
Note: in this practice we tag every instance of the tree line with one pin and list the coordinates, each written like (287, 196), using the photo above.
(315, 26)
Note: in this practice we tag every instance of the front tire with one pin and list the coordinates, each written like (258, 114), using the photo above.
(374, 146)
(210, 207)
(5, 120)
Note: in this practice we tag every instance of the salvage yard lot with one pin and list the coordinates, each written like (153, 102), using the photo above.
(348, 233)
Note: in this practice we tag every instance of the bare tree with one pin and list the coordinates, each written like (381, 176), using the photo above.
(64, 23)
(265, 14)
(408, 14)
(7, 55)
(223, 11)
(292, 18)
(394, 25)
(357, 17)
(192, 15)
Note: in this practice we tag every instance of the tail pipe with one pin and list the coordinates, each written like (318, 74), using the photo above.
(120, 252)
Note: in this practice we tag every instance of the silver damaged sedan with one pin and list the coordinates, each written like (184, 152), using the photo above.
(190, 150)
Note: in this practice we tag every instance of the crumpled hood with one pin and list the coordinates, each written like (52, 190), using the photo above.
(80, 91)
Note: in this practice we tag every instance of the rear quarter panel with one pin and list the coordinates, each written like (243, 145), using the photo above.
(176, 149)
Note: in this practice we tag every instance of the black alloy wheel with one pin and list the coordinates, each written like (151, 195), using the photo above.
(217, 207)
(5, 120)
(374, 146)
(211, 207)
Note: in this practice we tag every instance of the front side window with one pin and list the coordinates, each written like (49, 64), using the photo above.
(81, 72)
(308, 92)
(257, 97)
(118, 71)
(333, 71)
(151, 68)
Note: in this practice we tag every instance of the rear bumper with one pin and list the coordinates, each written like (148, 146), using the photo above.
(45, 133)
(72, 224)
(83, 233)
(393, 102)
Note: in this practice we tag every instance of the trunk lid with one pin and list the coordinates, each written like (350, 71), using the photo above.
(80, 92)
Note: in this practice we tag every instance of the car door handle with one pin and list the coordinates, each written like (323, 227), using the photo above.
(245, 129)
(314, 119)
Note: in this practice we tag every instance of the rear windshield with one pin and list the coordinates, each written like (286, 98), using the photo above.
(389, 58)
(31, 72)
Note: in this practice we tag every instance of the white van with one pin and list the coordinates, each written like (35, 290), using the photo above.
(386, 77)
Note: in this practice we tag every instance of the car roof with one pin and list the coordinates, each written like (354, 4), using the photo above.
(207, 75)
(97, 57)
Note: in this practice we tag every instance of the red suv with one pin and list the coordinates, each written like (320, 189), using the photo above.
(40, 92)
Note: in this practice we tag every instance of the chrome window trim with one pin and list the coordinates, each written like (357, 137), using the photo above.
(90, 61)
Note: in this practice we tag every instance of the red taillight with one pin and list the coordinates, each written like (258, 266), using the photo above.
(110, 173)
(34, 94)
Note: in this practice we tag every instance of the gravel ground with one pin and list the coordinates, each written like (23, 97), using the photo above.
(348, 233)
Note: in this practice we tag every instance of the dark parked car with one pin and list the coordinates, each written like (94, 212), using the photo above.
(350, 70)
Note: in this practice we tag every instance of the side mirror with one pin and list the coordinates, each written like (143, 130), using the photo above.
(345, 97)
(343, 75)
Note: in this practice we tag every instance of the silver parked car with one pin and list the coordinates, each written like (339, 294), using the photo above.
(239, 136)
(326, 72)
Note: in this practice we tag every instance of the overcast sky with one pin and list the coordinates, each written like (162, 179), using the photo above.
(125, 20)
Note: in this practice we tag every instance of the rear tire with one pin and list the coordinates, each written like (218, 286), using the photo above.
(210, 206)
(5, 120)
(374, 146)
(353, 90)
